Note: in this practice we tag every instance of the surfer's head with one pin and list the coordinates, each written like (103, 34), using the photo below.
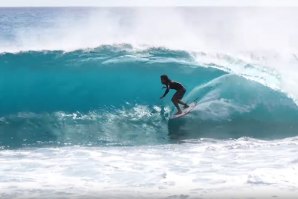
(164, 79)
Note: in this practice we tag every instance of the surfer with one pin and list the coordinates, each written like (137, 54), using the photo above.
(177, 97)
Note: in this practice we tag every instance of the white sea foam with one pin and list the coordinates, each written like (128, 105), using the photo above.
(196, 168)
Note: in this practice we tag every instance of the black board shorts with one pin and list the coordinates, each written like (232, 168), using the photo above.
(179, 94)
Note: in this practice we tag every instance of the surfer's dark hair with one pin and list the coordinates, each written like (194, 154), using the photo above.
(165, 77)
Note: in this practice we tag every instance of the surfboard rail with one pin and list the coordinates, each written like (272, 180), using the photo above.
(185, 111)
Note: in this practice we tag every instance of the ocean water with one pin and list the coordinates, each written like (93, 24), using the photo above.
(80, 114)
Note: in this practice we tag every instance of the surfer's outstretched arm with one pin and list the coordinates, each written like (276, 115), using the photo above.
(166, 92)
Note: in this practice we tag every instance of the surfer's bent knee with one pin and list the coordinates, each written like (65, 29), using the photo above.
(175, 100)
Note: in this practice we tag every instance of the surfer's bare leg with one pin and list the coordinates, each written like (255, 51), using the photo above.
(175, 102)
(183, 103)
(178, 98)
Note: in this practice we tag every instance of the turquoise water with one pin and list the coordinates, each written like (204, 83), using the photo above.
(88, 96)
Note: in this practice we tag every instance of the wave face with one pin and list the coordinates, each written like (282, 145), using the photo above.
(110, 96)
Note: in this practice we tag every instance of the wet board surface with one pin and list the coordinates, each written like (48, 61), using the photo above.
(185, 111)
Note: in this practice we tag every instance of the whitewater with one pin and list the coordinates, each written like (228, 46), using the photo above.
(80, 114)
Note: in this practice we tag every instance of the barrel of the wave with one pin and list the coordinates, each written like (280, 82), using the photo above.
(232, 107)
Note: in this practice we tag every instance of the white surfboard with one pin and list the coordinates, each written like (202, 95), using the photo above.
(185, 111)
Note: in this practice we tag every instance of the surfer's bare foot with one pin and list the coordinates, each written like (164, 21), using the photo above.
(178, 113)
(185, 106)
